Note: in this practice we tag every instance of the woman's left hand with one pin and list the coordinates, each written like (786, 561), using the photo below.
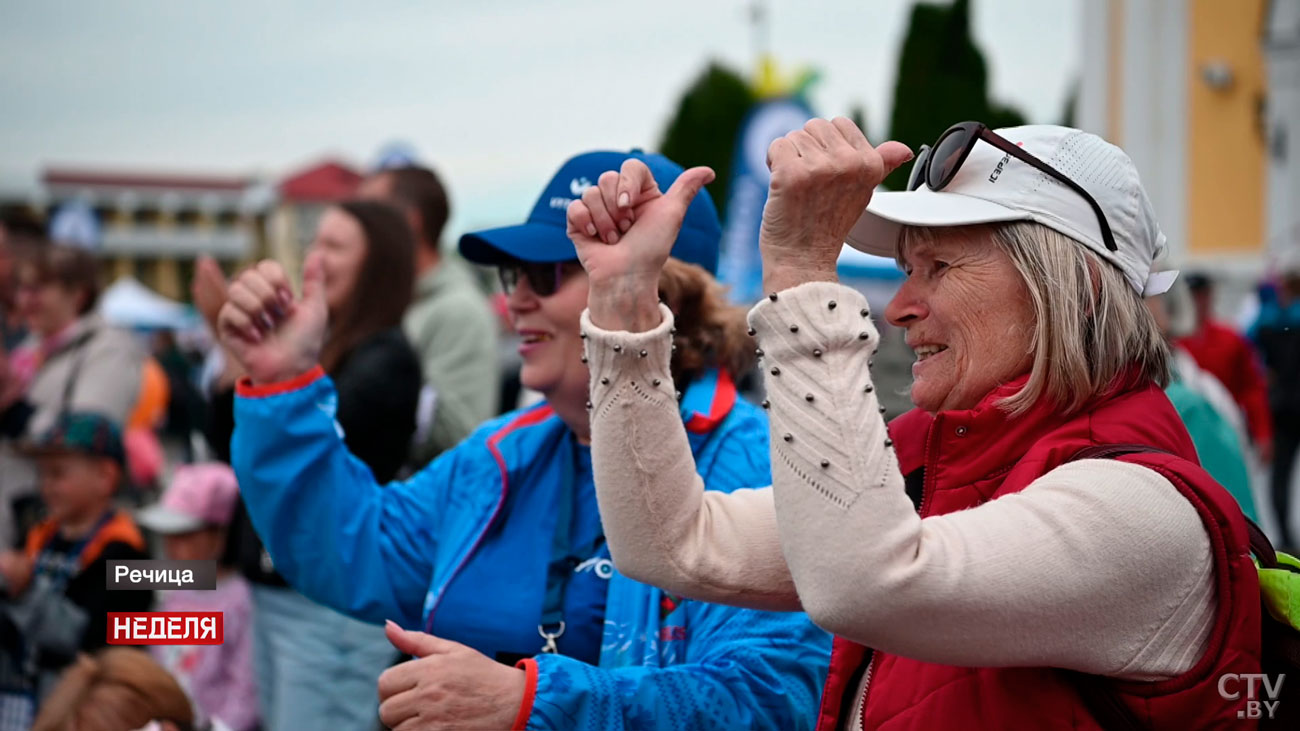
(448, 685)
(823, 176)
(624, 228)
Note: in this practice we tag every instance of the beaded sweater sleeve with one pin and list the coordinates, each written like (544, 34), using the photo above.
(662, 527)
(1046, 577)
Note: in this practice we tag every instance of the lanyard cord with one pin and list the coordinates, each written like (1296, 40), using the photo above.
(563, 559)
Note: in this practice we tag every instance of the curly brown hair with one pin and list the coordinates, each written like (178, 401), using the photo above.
(711, 332)
(116, 689)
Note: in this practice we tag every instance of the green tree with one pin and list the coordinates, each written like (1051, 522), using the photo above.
(1071, 110)
(942, 79)
(858, 116)
(704, 128)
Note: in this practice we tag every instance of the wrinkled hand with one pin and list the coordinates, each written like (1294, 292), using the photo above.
(822, 179)
(447, 686)
(624, 228)
(16, 570)
(272, 336)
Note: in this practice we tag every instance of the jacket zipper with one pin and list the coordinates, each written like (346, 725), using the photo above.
(866, 689)
(926, 488)
(496, 511)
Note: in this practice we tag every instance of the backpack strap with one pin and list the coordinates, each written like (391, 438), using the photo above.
(1098, 694)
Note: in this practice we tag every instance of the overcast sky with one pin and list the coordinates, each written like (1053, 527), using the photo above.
(494, 93)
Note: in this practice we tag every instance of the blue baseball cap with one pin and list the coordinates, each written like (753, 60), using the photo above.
(543, 237)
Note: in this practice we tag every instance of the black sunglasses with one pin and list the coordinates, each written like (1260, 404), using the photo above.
(937, 165)
(544, 278)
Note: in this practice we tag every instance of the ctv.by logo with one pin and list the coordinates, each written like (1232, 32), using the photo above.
(1230, 686)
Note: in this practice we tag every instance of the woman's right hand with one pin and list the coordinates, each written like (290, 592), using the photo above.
(624, 228)
(272, 335)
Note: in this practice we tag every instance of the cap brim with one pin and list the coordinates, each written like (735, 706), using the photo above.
(535, 242)
(876, 231)
(164, 520)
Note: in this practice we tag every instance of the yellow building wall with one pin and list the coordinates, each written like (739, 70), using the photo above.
(1114, 72)
(1226, 155)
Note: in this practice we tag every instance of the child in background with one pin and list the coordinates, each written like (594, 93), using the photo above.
(56, 598)
(192, 518)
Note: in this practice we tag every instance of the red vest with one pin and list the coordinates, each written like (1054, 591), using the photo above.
(971, 457)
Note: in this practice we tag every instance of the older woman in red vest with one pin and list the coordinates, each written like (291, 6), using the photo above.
(997, 557)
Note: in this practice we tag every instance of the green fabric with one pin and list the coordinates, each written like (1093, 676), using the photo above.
(454, 333)
(1218, 446)
(1281, 590)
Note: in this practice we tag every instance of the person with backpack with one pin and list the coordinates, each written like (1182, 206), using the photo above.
(55, 601)
(1034, 545)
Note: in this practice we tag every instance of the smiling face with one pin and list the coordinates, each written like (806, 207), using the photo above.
(342, 244)
(968, 317)
(549, 327)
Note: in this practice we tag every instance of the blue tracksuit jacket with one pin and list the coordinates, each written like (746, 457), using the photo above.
(395, 552)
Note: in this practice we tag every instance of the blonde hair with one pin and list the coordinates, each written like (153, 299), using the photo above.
(1093, 335)
(116, 689)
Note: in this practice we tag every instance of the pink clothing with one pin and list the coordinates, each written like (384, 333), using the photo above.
(219, 678)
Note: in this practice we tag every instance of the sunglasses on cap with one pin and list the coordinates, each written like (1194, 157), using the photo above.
(936, 165)
(544, 278)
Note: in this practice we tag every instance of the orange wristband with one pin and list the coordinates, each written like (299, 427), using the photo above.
(245, 387)
(529, 666)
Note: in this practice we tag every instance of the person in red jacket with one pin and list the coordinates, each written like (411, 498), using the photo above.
(1035, 545)
(1231, 358)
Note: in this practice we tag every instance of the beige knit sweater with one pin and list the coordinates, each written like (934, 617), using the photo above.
(1098, 566)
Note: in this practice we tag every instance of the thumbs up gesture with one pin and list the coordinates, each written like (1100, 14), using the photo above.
(624, 229)
(272, 334)
(823, 176)
(447, 685)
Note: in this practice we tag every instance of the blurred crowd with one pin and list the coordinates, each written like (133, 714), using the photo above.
(116, 444)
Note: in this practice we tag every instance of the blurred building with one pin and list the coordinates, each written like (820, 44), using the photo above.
(152, 226)
(301, 198)
(1282, 53)
(1203, 95)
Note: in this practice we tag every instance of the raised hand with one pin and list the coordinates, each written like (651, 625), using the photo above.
(822, 179)
(272, 335)
(624, 228)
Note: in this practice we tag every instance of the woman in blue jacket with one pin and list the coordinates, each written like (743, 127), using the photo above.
(495, 551)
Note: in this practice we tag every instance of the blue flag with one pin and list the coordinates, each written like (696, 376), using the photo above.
(740, 266)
